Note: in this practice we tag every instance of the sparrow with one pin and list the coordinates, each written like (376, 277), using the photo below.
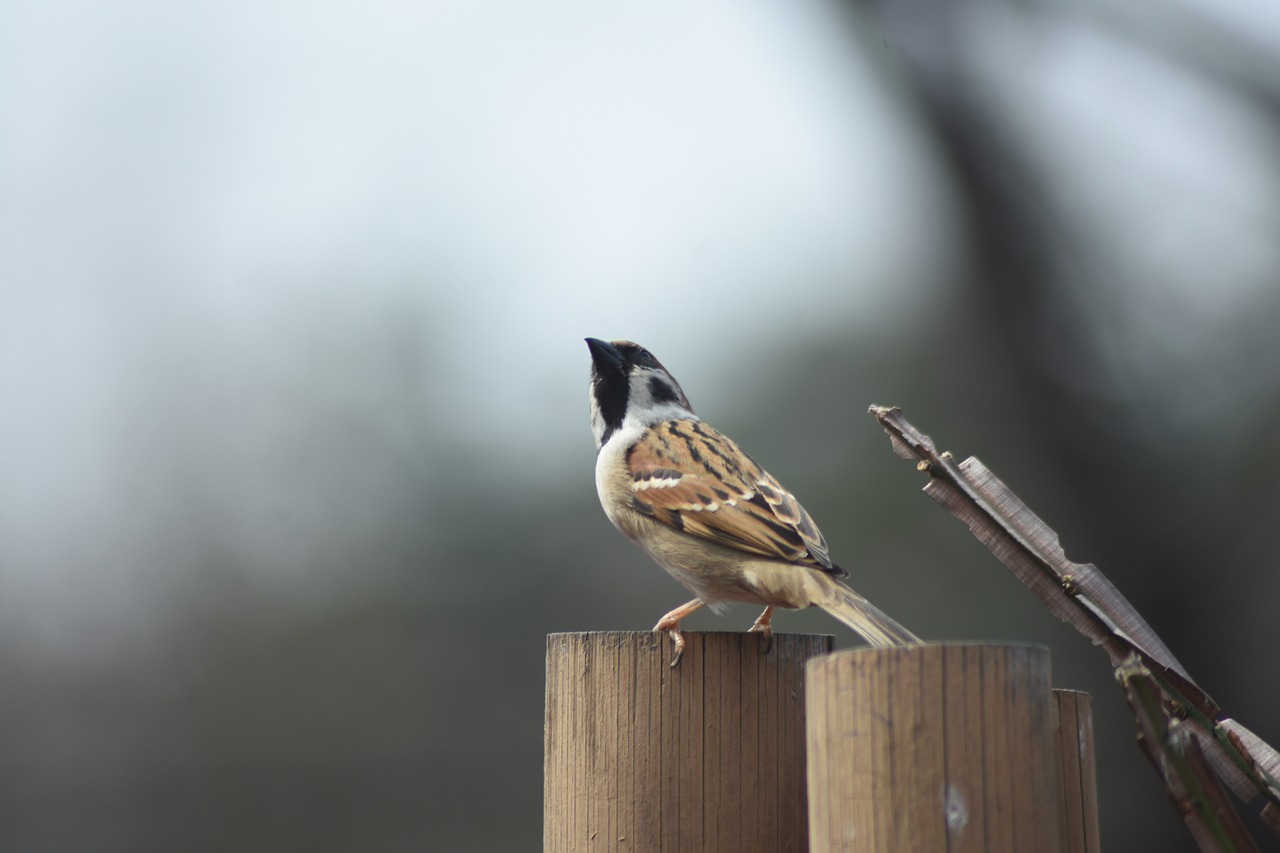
(706, 511)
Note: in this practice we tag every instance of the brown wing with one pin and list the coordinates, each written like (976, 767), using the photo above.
(689, 476)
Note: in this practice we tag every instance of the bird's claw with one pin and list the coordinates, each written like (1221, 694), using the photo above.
(677, 642)
(671, 624)
(763, 625)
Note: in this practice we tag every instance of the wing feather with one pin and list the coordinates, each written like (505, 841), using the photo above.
(691, 477)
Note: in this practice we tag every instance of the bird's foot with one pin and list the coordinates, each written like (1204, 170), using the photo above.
(671, 624)
(764, 625)
(677, 640)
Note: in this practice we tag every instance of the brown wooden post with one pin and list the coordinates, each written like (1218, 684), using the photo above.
(1078, 779)
(706, 756)
(938, 747)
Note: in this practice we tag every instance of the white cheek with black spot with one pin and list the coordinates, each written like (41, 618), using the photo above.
(649, 408)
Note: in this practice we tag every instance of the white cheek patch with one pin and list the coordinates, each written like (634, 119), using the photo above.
(648, 409)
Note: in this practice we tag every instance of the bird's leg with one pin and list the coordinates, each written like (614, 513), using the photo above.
(765, 626)
(671, 624)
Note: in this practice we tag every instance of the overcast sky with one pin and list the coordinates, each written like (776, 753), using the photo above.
(192, 183)
(213, 215)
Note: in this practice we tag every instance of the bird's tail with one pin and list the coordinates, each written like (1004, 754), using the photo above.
(874, 625)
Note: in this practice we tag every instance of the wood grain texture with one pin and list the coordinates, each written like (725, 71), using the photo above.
(706, 756)
(1081, 595)
(938, 747)
(1078, 772)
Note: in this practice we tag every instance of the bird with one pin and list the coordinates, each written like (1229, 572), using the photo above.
(706, 511)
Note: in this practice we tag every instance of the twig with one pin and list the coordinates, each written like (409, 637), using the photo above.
(1214, 748)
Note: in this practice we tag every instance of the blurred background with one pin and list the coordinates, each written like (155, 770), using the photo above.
(297, 472)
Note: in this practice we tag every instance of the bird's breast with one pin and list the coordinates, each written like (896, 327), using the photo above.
(613, 484)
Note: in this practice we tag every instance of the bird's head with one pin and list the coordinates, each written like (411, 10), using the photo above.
(628, 383)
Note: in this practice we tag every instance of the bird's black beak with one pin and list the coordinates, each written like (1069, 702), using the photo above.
(604, 355)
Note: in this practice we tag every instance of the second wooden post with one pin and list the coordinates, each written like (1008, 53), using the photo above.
(937, 747)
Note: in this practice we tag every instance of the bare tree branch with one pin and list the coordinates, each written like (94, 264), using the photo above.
(1192, 746)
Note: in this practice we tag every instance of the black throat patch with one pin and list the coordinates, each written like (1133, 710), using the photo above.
(610, 389)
